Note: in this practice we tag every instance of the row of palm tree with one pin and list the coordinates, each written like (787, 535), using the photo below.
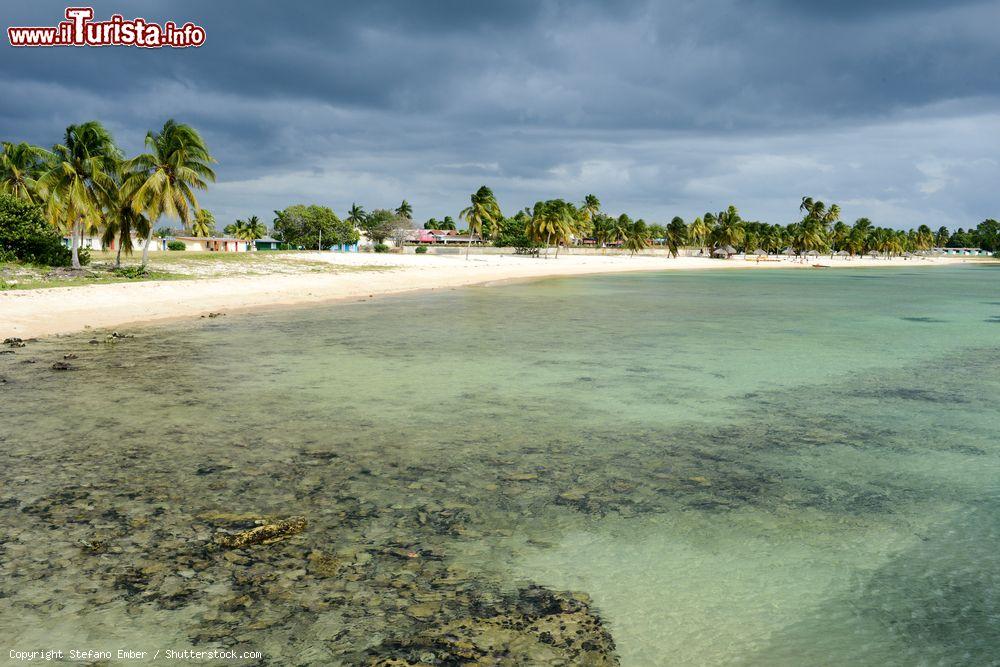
(86, 183)
(558, 222)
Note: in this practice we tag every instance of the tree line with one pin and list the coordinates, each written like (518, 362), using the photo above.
(87, 185)
(557, 222)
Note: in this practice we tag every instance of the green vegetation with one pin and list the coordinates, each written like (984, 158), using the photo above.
(86, 185)
(483, 210)
(421, 250)
(26, 236)
(381, 247)
(311, 226)
(176, 245)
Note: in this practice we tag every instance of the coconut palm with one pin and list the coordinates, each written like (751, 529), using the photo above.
(121, 222)
(699, 232)
(636, 237)
(80, 180)
(356, 215)
(247, 230)
(483, 209)
(21, 165)
(729, 229)
(405, 210)
(203, 224)
(676, 235)
(551, 220)
(165, 177)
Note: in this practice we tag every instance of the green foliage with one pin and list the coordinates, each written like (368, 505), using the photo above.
(301, 225)
(421, 250)
(382, 223)
(130, 272)
(25, 235)
(176, 245)
(381, 247)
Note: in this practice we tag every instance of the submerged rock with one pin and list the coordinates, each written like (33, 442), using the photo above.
(266, 534)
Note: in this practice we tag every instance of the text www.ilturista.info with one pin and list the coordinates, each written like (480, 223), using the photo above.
(80, 30)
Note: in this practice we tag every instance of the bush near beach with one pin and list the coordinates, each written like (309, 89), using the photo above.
(26, 236)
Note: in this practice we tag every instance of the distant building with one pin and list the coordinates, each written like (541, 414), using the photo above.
(213, 244)
(962, 251)
(94, 242)
(267, 243)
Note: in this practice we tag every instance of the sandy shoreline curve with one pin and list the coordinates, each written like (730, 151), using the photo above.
(63, 310)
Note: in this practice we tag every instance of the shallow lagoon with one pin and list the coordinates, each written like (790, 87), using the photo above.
(754, 468)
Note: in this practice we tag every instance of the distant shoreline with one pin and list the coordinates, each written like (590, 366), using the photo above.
(66, 310)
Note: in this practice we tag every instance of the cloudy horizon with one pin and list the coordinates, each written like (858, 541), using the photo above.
(660, 109)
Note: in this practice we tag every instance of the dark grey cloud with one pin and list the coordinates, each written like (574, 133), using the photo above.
(661, 108)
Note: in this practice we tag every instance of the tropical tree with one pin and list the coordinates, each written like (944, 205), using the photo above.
(676, 235)
(482, 209)
(80, 180)
(636, 237)
(551, 220)
(605, 230)
(405, 210)
(165, 177)
(203, 224)
(700, 231)
(247, 230)
(121, 222)
(21, 165)
(729, 229)
(356, 215)
(941, 237)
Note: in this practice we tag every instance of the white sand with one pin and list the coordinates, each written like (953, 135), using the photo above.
(45, 312)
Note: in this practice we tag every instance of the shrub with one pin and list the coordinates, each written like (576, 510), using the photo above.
(26, 236)
(130, 272)
(176, 245)
(421, 250)
(83, 254)
(381, 247)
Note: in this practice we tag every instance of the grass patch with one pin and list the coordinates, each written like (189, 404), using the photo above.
(176, 265)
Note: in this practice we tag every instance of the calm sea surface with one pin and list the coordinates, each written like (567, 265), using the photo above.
(732, 468)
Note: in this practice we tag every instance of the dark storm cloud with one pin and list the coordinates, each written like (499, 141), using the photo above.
(659, 108)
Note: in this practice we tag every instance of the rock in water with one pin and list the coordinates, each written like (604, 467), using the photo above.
(266, 534)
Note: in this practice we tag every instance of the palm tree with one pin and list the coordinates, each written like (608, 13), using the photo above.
(636, 237)
(121, 222)
(165, 177)
(203, 224)
(699, 232)
(730, 230)
(677, 234)
(941, 237)
(356, 215)
(247, 230)
(405, 210)
(483, 209)
(80, 180)
(551, 220)
(21, 165)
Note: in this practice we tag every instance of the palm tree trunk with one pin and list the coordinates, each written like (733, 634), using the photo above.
(469, 246)
(145, 247)
(547, 239)
(118, 255)
(74, 242)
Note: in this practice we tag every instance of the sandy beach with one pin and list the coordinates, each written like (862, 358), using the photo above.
(63, 310)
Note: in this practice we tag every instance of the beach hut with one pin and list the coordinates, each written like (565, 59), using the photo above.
(267, 243)
(811, 253)
(760, 253)
(788, 251)
(720, 252)
(841, 253)
(875, 253)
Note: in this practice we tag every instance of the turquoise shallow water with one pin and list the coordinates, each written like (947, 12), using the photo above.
(750, 468)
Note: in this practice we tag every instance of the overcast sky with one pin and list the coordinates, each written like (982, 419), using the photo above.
(660, 108)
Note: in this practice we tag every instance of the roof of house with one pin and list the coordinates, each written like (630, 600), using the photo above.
(267, 239)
